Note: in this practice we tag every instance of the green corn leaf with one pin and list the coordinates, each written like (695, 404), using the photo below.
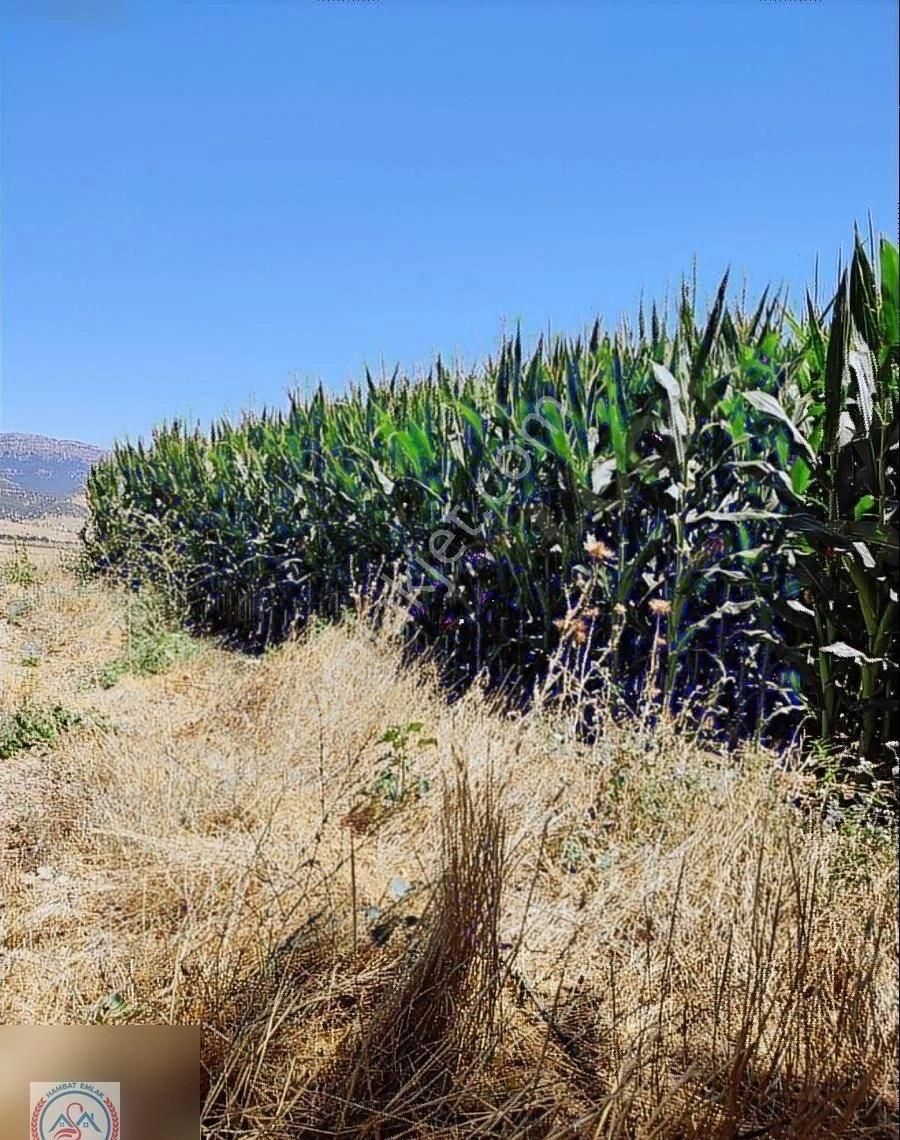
(801, 474)
(678, 420)
(574, 389)
(890, 295)
(862, 365)
(712, 330)
(472, 418)
(836, 368)
(863, 298)
(387, 484)
(769, 406)
(559, 443)
(865, 504)
(602, 474)
(728, 609)
(842, 649)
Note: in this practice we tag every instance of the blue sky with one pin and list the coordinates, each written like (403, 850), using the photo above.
(204, 204)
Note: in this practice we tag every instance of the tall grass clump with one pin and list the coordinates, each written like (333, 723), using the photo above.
(704, 508)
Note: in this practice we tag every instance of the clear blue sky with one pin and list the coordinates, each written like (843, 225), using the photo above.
(205, 203)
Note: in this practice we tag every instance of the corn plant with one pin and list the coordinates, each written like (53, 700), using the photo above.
(725, 487)
(842, 527)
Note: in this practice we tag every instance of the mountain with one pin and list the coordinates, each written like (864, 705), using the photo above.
(42, 476)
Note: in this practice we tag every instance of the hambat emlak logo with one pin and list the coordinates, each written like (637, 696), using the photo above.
(74, 1110)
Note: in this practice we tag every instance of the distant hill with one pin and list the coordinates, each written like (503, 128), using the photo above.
(42, 476)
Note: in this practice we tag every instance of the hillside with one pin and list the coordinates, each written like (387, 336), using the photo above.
(40, 476)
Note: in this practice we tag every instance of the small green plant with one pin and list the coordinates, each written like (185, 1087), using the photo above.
(397, 780)
(19, 570)
(31, 724)
(81, 565)
(152, 646)
(574, 854)
(32, 655)
(116, 1009)
(395, 783)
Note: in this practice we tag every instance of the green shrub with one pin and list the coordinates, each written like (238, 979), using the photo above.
(19, 570)
(152, 645)
(31, 725)
(397, 780)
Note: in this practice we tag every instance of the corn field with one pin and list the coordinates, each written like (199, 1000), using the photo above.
(702, 510)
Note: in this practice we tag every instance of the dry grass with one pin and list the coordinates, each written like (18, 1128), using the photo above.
(45, 531)
(640, 938)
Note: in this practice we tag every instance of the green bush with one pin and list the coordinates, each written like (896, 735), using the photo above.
(152, 646)
(31, 725)
(19, 570)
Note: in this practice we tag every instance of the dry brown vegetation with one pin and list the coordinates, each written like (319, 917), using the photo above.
(501, 932)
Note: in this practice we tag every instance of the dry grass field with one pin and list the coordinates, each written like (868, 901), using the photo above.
(49, 532)
(395, 917)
